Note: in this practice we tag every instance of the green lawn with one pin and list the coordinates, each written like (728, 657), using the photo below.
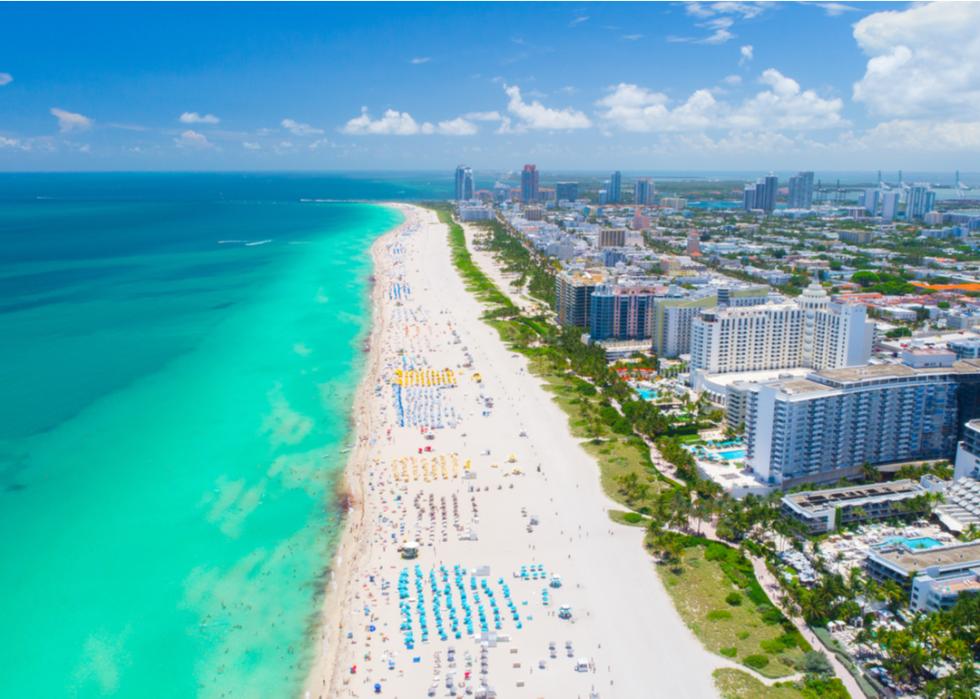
(750, 631)
(735, 684)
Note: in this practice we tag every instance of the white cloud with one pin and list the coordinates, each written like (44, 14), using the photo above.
(833, 9)
(195, 118)
(745, 54)
(482, 116)
(251, 145)
(534, 115)
(719, 18)
(419, 60)
(391, 123)
(578, 20)
(298, 129)
(632, 37)
(456, 127)
(927, 137)
(6, 79)
(11, 143)
(923, 61)
(720, 33)
(395, 123)
(784, 105)
(630, 107)
(733, 80)
(70, 121)
(193, 140)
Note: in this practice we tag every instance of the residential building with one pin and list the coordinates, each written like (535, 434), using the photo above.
(812, 332)
(856, 237)
(824, 511)
(621, 312)
(566, 191)
(674, 314)
(919, 200)
(464, 183)
(965, 349)
(614, 194)
(573, 292)
(872, 199)
(475, 212)
(693, 243)
(828, 425)
(889, 206)
(529, 184)
(968, 451)
(748, 198)
(801, 191)
(643, 192)
(767, 202)
(675, 203)
(612, 237)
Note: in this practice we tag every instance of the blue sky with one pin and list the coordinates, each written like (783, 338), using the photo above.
(725, 85)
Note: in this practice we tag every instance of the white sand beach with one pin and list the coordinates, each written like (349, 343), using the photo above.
(465, 454)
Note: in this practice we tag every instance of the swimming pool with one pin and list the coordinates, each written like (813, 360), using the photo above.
(647, 394)
(917, 543)
(732, 454)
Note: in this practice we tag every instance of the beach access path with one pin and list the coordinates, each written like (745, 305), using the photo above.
(530, 496)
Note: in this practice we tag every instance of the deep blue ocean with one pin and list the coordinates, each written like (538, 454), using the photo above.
(178, 354)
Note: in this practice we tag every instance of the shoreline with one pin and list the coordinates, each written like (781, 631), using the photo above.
(533, 497)
(328, 629)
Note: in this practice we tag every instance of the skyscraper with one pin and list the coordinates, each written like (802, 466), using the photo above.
(770, 185)
(748, 197)
(889, 205)
(566, 191)
(529, 184)
(643, 191)
(464, 183)
(801, 190)
(919, 201)
(614, 194)
(871, 199)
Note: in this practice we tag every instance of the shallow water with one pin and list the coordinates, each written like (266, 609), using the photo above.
(173, 414)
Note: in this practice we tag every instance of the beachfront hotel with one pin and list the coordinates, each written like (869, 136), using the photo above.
(825, 426)
(812, 333)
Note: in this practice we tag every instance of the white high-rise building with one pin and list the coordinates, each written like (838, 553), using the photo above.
(889, 205)
(810, 333)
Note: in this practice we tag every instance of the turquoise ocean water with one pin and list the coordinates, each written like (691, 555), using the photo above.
(178, 355)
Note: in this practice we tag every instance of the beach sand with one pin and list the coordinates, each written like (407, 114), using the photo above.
(499, 484)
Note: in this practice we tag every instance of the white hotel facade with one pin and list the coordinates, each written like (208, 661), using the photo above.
(811, 332)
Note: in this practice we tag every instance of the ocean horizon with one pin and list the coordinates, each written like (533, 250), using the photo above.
(178, 363)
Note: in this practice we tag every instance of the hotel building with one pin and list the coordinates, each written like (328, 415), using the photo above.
(813, 333)
(826, 426)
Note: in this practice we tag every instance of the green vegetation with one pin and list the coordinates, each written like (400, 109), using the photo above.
(735, 684)
(530, 269)
(701, 578)
(476, 281)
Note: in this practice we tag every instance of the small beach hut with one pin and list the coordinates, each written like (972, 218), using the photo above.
(410, 550)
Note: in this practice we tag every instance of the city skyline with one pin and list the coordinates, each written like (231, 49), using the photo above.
(697, 86)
